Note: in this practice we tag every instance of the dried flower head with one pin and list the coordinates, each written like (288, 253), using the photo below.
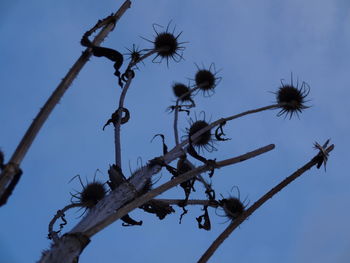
(206, 79)
(205, 140)
(91, 194)
(180, 90)
(233, 207)
(292, 98)
(166, 45)
(134, 54)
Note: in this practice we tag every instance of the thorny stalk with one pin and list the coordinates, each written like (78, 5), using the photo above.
(170, 184)
(225, 234)
(13, 165)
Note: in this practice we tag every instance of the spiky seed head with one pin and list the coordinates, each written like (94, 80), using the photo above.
(292, 98)
(205, 80)
(92, 194)
(203, 139)
(233, 207)
(180, 89)
(167, 44)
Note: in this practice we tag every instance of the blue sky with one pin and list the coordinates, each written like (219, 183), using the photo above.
(255, 44)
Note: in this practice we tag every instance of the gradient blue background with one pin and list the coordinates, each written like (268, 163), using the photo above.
(255, 43)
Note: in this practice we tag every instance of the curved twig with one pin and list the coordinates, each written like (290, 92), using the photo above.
(117, 125)
(176, 111)
(60, 213)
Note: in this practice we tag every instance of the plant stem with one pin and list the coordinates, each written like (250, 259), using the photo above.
(170, 184)
(225, 234)
(189, 202)
(8, 173)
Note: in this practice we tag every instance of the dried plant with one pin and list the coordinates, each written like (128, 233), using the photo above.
(104, 207)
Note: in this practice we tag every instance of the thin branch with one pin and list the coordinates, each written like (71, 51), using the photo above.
(176, 111)
(180, 146)
(8, 174)
(150, 53)
(189, 202)
(225, 234)
(166, 186)
(117, 125)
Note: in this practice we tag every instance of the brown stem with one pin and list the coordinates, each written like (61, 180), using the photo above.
(7, 175)
(225, 234)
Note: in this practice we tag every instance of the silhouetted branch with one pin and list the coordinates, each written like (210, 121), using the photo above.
(8, 173)
(225, 234)
(166, 186)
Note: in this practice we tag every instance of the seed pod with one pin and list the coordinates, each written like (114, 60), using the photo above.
(206, 80)
(180, 90)
(233, 207)
(205, 138)
(92, 194)
(166, 45)
(292, 98)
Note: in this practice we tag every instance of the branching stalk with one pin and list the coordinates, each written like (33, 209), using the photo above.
(168, 185)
